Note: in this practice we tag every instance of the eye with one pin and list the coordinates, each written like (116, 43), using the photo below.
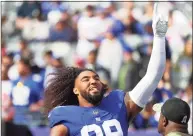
(85, 80)
(97, 78)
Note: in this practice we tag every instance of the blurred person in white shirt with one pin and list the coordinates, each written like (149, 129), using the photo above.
(88, 30)
(124, 12)
(175, 33)
(92, 64)
(110, 56)
(8, 26)
(36, 29)
(182, 70)
(105, 21)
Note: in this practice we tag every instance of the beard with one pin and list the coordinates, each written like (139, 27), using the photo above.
(93, 99)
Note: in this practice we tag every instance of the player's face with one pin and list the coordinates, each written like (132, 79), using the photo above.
(89, 87)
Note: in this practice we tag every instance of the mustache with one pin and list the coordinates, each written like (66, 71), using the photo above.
(93, 99)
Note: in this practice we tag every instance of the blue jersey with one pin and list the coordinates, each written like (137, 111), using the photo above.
(27, 94)
(107, 119)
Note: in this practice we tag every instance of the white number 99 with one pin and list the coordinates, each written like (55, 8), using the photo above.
(106, 126)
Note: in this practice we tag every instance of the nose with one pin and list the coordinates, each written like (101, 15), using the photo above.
(92, 81)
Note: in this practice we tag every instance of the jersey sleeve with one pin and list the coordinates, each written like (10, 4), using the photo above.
(117, 96)
(57, 116)
(114, 102)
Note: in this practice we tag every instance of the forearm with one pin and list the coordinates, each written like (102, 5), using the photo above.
(144, 89)
(157, 61)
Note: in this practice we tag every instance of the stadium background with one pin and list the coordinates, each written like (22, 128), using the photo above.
(114, 38)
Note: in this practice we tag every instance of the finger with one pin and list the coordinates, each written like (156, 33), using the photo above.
(164, 18)
(161, 17)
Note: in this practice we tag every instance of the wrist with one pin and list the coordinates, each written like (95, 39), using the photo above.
(159, 36)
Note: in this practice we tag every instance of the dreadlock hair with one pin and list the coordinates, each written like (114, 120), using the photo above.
(59, 90)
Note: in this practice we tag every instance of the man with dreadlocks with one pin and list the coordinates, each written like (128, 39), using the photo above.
(77, 106)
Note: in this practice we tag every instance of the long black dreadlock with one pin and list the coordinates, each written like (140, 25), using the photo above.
(59, 90)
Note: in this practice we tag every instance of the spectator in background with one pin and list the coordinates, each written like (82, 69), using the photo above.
(88, 30)
(91, 63)
(162, 93)
(134, 26)
(124, 12)
(36, 29)
(7, 27)
(27, 11)
(128, 74)
(24, 51)
(27, 54)
(105, 22)
(74, 21)
(111, 9)
(52, 62)
(26, 96)
(130, 23)
(38, 77)
(50, 6)
(148, 13)
(9, 128)
(58, 62)
(146, 119)
(117, 25)
(183, 68)
(110, 56)
(87, 24)
(48, 58)
(61, 32)
(175, 37)
(7, 60)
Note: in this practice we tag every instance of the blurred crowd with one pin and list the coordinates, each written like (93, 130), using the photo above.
(113, 38)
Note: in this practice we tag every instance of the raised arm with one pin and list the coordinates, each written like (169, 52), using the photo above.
(136, 99)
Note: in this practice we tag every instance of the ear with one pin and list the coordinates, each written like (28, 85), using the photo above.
(165, 121)
(75, 90)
